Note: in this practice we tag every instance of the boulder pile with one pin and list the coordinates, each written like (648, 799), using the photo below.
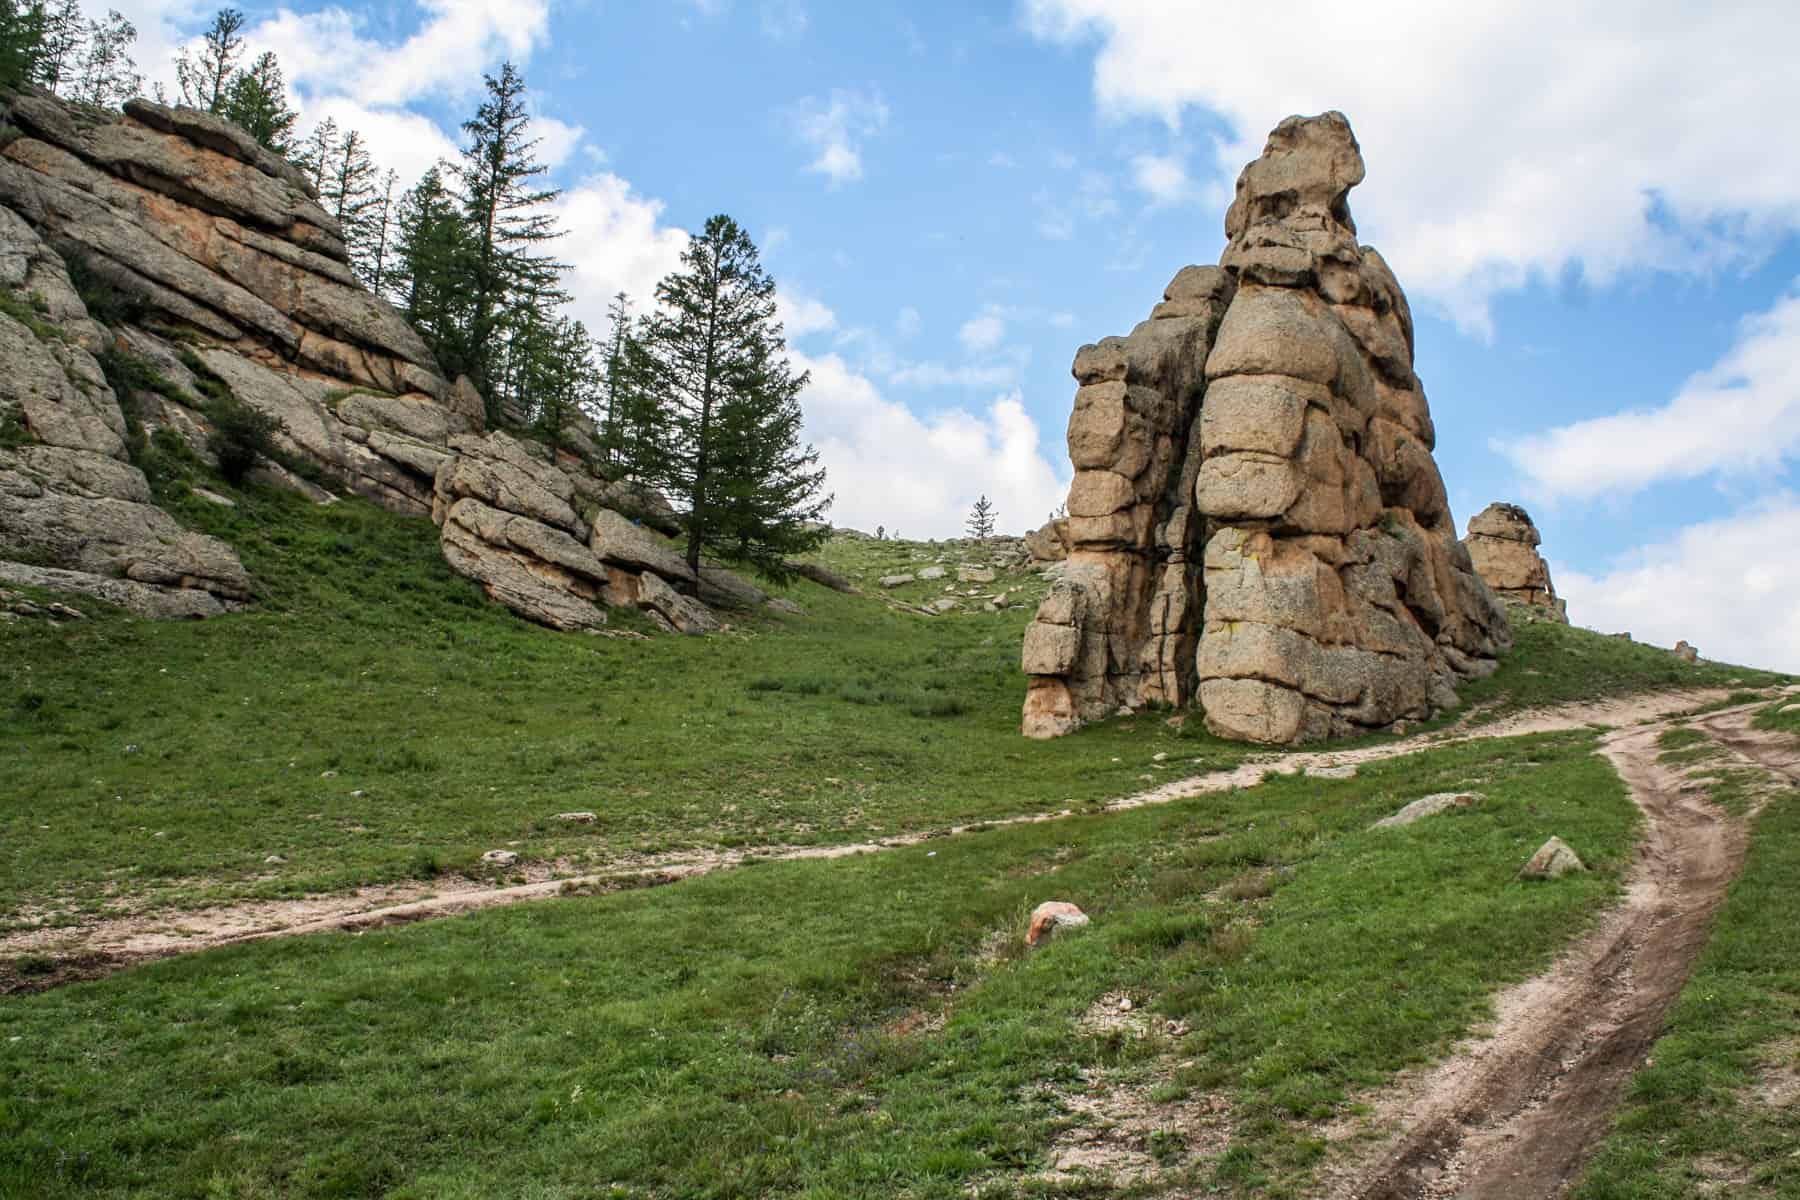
(1502, 543)
(232, 281)
(1256, 524)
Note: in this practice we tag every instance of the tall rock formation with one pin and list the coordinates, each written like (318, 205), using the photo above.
(1256, 523)
(1502, 543)
(229, 279)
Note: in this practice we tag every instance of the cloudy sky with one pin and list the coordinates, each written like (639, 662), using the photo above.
(1593, 208)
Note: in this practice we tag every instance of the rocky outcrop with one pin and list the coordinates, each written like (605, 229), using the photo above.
(233, 281)
(1256, 524)
(1502, 544)
(75, 515)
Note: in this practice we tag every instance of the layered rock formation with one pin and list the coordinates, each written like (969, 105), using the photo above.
(232, 280)
(1256, 524)
(75, 515)
(1502, 543)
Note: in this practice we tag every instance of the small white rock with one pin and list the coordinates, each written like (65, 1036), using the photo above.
(500, 858)
(274, 860)
(578, 818)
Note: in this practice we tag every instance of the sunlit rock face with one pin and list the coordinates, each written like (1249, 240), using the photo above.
(1256, 524)
(1503, 545)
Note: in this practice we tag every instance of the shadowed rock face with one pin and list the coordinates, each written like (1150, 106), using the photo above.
(1502, 544)
(1256, 523)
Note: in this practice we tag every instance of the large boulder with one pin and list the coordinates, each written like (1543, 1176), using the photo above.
(1503, 547)
(1256, 524)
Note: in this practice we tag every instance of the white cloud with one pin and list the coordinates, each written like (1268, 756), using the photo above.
(1731, 587)
(1506, 139)
(613, 242)
(909, 322)
(557, 140)
(836, 130)
(983, 331)
(783, 19)
(404, 141)
(937, 375)
(325, 52)
(1162, 177)
(1739, 416)
(801, 315)
(919, 475)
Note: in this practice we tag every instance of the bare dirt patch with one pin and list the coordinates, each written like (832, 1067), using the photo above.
(1778, 1082)
(1119, 1136)
(121, 939)
(1512, 1113)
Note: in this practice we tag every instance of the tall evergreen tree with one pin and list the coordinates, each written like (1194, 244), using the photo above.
(432, 256)
(108, 77)
(65, 37)
(316, 153)
(21, 43)
(381, 236)
(204, 78)
(256, 102)
(729, 407)
(505, 209)
(349, 194)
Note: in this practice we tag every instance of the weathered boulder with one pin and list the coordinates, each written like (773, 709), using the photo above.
(1256, 524)
(615, 539)
(535, 570)
(1050, 917)
(1554, 859)
(684, 613)
(823, 576)
(1502, 544)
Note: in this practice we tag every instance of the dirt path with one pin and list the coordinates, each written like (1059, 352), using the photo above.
(1514, 1113)
(111, 943)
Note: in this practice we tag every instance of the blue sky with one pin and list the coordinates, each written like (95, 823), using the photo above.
(1594, 214)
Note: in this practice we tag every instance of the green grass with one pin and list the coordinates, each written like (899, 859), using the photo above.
(1707, 1116)
(162, 763)
(741, 1035)
(1783, 716)
(171, 759)
(372, 718)
(1551, 663)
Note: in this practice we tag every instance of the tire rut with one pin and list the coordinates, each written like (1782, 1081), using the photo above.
(1514, 1114)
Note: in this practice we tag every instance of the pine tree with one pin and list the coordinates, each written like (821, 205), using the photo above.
(65, 38)
(432, 256)
(505, 212)
(316, 153)
(21, 43)
(729, 407)
(256, 102)
(981, 519)
(348, 193)
(205, 79)
(381, 235)
(108, 77)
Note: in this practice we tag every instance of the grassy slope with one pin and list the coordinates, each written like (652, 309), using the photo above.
(169, 760)
(745, 1033)
(737, 1036)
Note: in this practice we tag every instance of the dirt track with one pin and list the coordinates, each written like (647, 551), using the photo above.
(112, 943)
(1513, 1114)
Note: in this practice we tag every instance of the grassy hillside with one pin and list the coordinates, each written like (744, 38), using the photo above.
(858, 1027)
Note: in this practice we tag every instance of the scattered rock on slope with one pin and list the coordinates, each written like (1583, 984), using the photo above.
(1256, 523)
(1502, 544)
